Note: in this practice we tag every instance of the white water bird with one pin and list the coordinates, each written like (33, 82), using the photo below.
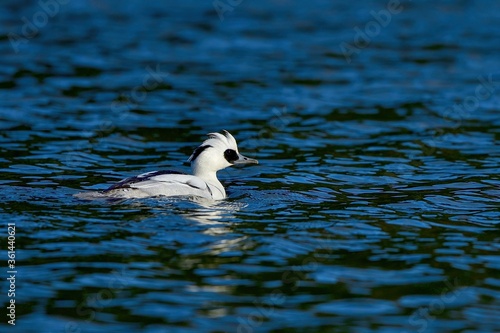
(219, 151)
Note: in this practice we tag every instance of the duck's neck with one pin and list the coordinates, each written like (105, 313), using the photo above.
(210, 177)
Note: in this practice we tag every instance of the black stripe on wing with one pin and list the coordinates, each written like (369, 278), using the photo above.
(142, 177)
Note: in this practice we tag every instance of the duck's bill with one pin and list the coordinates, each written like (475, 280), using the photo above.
(245, 160)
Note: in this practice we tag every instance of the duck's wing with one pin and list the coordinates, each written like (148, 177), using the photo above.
(164, 183)
(127, 182)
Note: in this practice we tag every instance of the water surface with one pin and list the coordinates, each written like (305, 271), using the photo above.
(374, 207)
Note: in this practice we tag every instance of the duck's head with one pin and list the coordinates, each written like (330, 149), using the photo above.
(219, 151)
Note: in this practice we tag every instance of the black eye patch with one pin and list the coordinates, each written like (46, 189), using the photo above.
(231, 155)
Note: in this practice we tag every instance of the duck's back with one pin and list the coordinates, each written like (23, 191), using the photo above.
(161, 183)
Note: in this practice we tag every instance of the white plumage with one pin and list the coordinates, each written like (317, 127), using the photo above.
(217, 152)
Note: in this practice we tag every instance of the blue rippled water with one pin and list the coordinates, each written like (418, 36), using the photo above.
(375, 206)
